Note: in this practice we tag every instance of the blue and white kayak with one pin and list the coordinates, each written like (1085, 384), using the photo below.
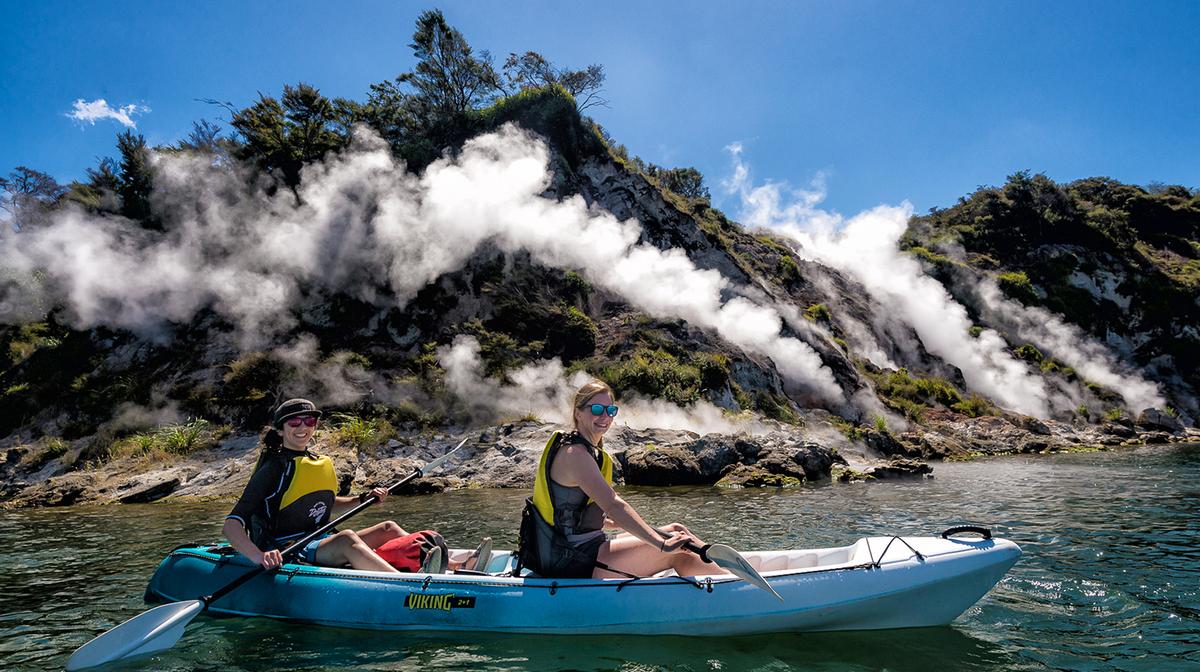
(874, 583)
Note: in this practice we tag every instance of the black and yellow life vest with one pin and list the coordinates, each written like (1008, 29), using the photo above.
(289, 495)
(542, 500)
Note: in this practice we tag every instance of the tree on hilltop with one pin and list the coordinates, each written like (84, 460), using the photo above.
(26, 194)
(134, 181)
(285, 134)
(449, 78)
(531, 70)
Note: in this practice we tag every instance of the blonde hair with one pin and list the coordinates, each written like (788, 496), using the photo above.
(584, 394)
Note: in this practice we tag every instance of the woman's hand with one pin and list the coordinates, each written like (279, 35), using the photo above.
(679, 528)
(380, 493)
(271, 559)
(676, 540)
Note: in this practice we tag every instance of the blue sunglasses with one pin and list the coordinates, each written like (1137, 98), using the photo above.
(601, 409)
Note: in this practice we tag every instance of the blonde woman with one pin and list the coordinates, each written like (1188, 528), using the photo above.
(562, 534)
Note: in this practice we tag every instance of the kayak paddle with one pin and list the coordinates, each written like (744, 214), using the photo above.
(725, 557)
(162, 626)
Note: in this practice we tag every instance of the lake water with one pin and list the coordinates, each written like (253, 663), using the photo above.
(1110, 579)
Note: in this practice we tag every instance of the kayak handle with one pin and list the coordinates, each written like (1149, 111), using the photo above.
(958, 529)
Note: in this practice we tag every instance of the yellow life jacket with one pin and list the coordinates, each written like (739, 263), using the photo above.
(541, 480)
(314, 473)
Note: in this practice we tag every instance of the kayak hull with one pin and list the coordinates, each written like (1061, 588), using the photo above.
(876, 583)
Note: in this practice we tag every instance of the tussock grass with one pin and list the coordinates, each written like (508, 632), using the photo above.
(357, 432)
(168, 442)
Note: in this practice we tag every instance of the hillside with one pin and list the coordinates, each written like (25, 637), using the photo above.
(419, 265)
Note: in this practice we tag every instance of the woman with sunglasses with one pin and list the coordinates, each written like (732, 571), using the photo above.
(562, 533)
(292, 492)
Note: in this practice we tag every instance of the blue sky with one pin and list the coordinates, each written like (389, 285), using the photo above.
(890, 101)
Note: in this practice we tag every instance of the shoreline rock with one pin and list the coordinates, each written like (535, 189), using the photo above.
(505, 456)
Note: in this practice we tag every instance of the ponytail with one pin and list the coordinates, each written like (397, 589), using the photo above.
(271, 439)
(272, 443)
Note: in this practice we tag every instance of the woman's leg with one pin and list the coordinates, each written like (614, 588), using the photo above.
(378, 535)
(630, 554)
(347, 547)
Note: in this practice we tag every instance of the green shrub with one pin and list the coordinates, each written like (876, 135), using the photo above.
(818, 312)
(912, 410)
(409, 412)
(1029, 353)
(167, 442)
(974, 407)
(881, 424)
(1114, 414)
(927, 255)
(939, 390)
(776, 407)
(55, 447)
(359, 433)
(787, 270)
(975, 331)
(744, 401)
(897, 386)
(655, 373)
(1017, 286)
(577, 285)
(252, 377)
(714, 369)
(849, 429)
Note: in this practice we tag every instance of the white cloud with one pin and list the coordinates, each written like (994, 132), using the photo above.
(98, 109)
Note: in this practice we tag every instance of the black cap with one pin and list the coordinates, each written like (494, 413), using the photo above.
(291, 408)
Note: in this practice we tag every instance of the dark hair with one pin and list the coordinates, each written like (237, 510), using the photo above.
(271, 439)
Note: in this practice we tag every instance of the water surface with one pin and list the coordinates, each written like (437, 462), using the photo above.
(1110, 579)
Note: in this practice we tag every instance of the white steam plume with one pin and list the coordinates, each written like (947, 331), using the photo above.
(544, 389)
(865, 247)
(336, 380)
(362, 223)
(1068, 343)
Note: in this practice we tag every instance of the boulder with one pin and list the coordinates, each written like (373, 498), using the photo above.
(901, 467)
(143, 489)
(745, 476)
(1118, 429)
(58, 491)
(664, 465)
(1154, 419)
(883, 443)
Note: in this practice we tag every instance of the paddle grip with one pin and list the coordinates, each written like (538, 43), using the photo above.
(701, 551)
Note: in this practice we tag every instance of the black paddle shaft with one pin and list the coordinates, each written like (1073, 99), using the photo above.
(295, 548)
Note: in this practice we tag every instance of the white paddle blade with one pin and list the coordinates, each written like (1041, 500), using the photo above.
(147, 632)
(724, 556)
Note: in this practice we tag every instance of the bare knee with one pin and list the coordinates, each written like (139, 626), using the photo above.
(391, 529)
(346, 538)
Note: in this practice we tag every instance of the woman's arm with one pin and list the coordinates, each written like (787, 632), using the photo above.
(579, 466)
(236, 534)
(343, 504)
